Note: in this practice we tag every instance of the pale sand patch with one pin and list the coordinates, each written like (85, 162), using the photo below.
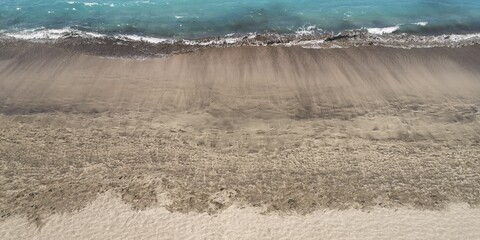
(109, 218)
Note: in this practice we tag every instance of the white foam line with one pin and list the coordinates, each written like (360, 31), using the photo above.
(457, 37)
(308, 30)
(423, 24)
(141, 38)
(42, 34)
(49, 34)
(380, 31)
(88, 4)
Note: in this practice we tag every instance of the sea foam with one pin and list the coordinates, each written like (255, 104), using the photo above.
(50, 34)
(423, 24)
(90, 4)
(384, 30)
(362, 37)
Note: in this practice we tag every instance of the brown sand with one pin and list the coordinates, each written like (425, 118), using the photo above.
(290, 130)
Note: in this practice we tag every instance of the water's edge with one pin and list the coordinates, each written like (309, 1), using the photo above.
(134, 46)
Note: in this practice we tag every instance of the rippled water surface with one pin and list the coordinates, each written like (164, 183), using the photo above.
(206, 18)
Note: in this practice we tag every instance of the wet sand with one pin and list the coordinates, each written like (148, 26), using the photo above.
(286, 130)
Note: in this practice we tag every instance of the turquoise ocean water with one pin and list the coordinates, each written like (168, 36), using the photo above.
(190, 19)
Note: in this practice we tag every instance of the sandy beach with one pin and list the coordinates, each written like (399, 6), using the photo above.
(367, 142)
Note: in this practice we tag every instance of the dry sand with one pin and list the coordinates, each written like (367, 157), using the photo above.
(286, 130)
(110, 218)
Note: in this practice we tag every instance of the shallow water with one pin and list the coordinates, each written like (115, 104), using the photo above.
(206, 18)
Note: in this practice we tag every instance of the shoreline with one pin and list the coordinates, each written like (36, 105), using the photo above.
(286, 129)
(134, 46)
